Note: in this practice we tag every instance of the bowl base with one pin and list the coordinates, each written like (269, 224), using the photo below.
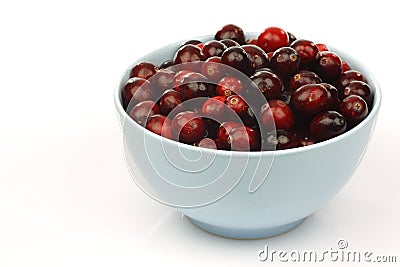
(239, 233)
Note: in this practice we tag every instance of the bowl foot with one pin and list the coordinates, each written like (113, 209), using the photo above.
(239, 233)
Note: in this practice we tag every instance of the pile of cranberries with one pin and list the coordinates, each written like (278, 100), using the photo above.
(312, 94)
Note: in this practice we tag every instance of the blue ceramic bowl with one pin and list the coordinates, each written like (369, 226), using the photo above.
(292, 184)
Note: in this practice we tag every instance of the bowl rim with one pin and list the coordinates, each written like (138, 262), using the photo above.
(371, 116)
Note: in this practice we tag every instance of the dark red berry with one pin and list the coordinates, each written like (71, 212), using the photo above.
(144, 70)
(306, 50)
(252, 42)
(347, 77)
(208, 143)
(327, 124)
(213, 48)
(143, 111)
(212, 127)
(311, 99)
(229, 85)
(160, 125)
(322, 47)
(354, 109)
(136, 90)
(214, 108)
(302, 78)
(285, 61)
(305, 141)
(189, 126)
(213, 69)
(238, 105)
(179, 77)
(279, 112)
(328, 66)
(236, 57)
(269, 83)
(358, 88)
(223, 132)
(244, 138)
(229, 42)
(292, 38)
(162, 80)
(167, 64)
(169, 100)
(334, 94)
(192, 42)
(232, 32)
(273, 38)
(281, 139)
(194, 85)
(189, 54)
(258, 58)
(345, 66)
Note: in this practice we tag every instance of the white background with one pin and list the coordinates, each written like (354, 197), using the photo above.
(66, 197)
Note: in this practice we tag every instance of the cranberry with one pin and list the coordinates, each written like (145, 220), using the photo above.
(194, 85)
(354, 109)
(358, 88)
(285, 61)
(328, 66)
(214, 107)
(244, 138)
(322, 47)
(307, 51)
(236, 57)
(136, 90)
(167, 64)
(179, 76)
(162, 80)
(189, 54)
(258, 58)
(238, 105)
(229, 42)
(273, 38)
(311, 99)
(292, 38)
(188, 126)
(169, 100)
(305, 141)
(349, 76)
(208, 143)
(213, 69)
(334, 93)
(279, 112)
(223, 132)
(200, 45)
(160, 125)
(212, 127)
(192, 42)
(345, 66)
(213, 48)
(144, 70)
(327, 124)
(252, 42)
(144, 110)
(229, 85)
(281, 139)
(303, 77)
(232, 32)
(268, 82)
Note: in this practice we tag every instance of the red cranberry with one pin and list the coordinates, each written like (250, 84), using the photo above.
(278, 111)
(269, 83)
(189, 54)
(307, 51)
(322, 47)
(347, 77)
(303, 77)
(327, 124)
(194, 85)
(229, 42)
(285, 61)
(238, 105)
(167, 64)
(192, 42)
(136, 90)
(232, 32)
(209, 143)
(292, 38)
(144, 70)
(223, 132)
(213, 48)
(354, 109)
(273, 38)
(228, 86)
(212, 127)
(179, 76)
(188, 126)
(160, 125)
(305, 141)
(162, 80)
(258, 58)
(281, 139)
(144, 110)
(345, 66)
(359, 88)
(214, 107)
(236, 57)
(311, 99)
(252, 42)
(328, 66)
(244, 138)
(213, 69)
(169, 100)
(200, 45)
(334, 94)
